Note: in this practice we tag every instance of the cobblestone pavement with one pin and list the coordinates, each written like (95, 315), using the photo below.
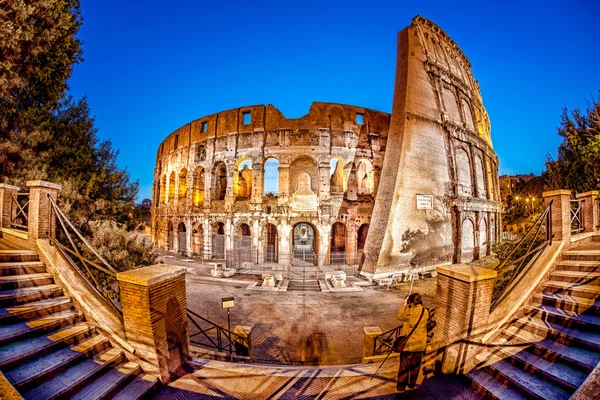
(283, 321)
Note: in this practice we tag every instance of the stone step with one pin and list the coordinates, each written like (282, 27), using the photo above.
(26, 295)
(569, 303)
(76, 377)
(489, 386)
(570, 289)
(531, 386)
(550, 350)
(34, 309)
(20, 352)
(564, 317)
(34, 327)
(21, 268)
(34, 372)
(108, 384)
(582, 266)
(581, 255)
(23, 281)
(559, 333)
(18, 255)
(578, 277)
(141, 386)
(557, 373)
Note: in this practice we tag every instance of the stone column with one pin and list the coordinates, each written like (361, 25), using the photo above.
(6, 193)
(188, 237)
(153, 301)
(462, 307)
(284, 184)
(207, 250)
(590, 210)
(324, 181)
(257, 182)
(40, 225)
(560, 213)
(371, 332)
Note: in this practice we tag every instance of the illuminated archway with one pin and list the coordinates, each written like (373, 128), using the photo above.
(220, 181)
(365, 180)
(182, 184)
(198, 187)
(242, 178)
(172, 186)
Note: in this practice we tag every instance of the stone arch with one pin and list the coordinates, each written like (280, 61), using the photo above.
(463, 172)
(450, 104)
(361, 237)
(365, 179)
(468, 240)
(200, 155)
(218, 240)
(220, 181)
(468, 114)
(163, 189)
(271, 176)
(308, 165)
(182, 238)
(338, 175)
(242, 178)
(170, 236)
(480, 177)
(337, 243)
(483, 237)
(183, 184)
(305, 242)
(271, 242)
(197, 238)
(243, 235)
(172, 186)
(198, 187)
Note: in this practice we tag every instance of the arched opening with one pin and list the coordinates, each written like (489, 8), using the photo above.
(182, 185)
(172, 186)
(170, 236)
(480, 177)
(200, 154)
(463, 173)
(218, 240)
(338, 180)
(364, 177)
(468, 115)
(361, 237)
(272, 244)
(182, 238)
(220, 185)
(163, 189)
(483, 238)
(198, 239)
(271, 177)
(198, 187)
(242, 179)
(243, 236)
(468, 241)
(305, 242)
(337, 246)
(304, 182)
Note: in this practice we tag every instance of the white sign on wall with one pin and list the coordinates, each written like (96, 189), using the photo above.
(424, 202)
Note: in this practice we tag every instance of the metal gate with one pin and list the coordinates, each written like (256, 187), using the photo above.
(182, 243)
(218, 246)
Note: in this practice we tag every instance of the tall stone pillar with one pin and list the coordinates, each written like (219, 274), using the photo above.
(324, 181)
(560, 212)
(284, 184)
(462, 307)
(6, 194)
(207, 251)
(257, 182)
(591, 223)
(40, 225)
(153, 300)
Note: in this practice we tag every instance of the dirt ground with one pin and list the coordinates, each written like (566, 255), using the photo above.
(296, 326)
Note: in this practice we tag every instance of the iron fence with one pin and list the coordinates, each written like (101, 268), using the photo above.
(577, 216)
(207, 334)
(19, 204)
(236, 257)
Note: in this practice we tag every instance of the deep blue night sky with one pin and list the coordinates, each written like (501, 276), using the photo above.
(152, 66)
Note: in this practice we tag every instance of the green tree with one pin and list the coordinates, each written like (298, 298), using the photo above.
(577, 166)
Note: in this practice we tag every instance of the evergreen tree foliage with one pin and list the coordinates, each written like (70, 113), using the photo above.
(577, 166)
(45, 134)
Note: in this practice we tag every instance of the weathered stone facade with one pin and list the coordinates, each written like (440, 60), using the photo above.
(435, 147)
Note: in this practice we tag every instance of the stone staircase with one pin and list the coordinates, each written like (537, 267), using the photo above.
(549, 352)
(48, 350)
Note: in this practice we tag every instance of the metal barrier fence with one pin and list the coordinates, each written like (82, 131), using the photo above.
(577, 216)
(19, 213)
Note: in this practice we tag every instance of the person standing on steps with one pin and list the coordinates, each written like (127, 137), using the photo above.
(412, 341)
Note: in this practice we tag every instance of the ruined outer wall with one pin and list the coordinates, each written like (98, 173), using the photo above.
(437, 113)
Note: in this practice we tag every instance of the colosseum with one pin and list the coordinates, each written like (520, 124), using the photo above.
(343, 184)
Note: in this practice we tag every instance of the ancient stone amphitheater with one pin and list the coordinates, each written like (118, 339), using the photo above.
(350, 185)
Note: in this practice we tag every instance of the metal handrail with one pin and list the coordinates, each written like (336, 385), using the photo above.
(386, 339)
(20, 216)
(223, 340)
(97, 278)
(509, 268)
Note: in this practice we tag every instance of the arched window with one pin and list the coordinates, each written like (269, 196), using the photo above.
(200, 153)
(480, 177)
(163, 189)
(220, 185)
(468, 240)
(271, 177)
(338, 244)
(242, 179)
(182, 184)
(463, 173)
(198, 187)
(338, 182)
(364, 177)
(483, 238)
(304, 183)
(172, 186)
